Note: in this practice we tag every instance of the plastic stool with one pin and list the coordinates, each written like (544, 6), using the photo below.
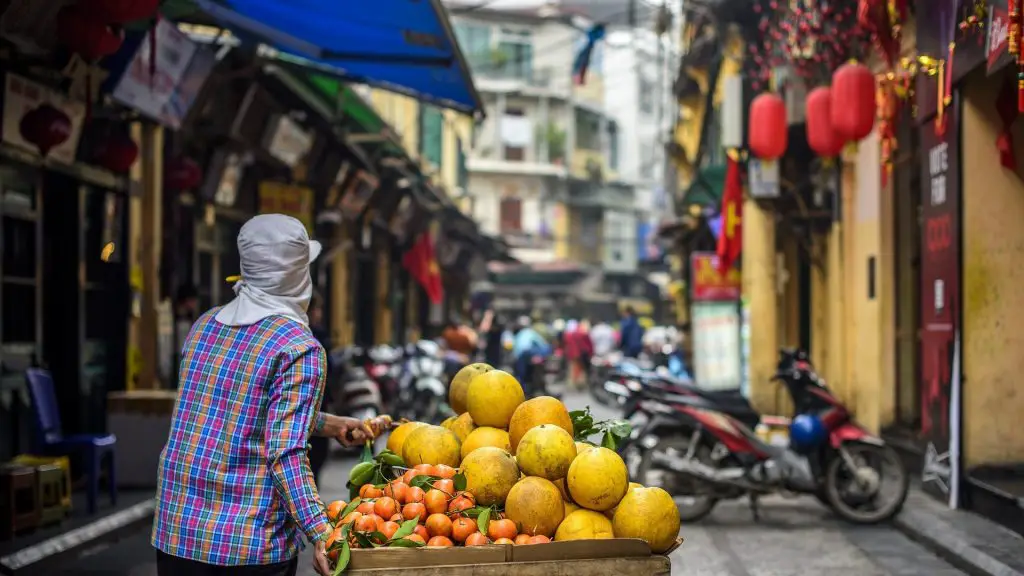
(50, 480)
(19, 508)
(63, 462)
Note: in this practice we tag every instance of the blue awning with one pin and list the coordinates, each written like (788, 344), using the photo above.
(402, 45)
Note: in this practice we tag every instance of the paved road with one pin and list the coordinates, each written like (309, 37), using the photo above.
(795, 537)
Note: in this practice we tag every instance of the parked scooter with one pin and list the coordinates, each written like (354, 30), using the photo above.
(358, 395)
(698, 448)
(423, 393)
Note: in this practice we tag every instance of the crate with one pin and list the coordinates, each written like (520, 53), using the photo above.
(61, 462)
(615, 557)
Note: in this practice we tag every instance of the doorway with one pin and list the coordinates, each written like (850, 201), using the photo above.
(907, 260)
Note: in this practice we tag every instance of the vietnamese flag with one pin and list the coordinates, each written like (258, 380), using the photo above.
(730, 241)
(421, 263)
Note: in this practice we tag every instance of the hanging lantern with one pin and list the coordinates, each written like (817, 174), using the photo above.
(853, 102)
(123, 11)
(117, 152)
(182, 173)
(821, 137)
(45, 127)
(86, 35)
(769, 131)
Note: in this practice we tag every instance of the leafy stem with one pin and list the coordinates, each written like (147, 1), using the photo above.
(612, 431)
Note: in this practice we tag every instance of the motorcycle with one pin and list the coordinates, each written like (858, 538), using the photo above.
(358, 395)
(601, 366)
(423, 394)
(383, 363)
(699, 445)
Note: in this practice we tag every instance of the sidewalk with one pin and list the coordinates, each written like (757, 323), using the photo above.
(966, 540)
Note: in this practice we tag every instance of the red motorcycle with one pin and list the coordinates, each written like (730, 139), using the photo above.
(694, 444)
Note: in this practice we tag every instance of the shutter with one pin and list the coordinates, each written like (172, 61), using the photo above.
(511, 215)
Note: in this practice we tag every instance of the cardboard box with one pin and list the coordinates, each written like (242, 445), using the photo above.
(616, 557)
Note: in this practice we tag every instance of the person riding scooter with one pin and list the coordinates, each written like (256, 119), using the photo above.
(526, 344)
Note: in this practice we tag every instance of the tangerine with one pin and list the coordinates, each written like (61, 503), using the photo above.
(440, 542)
(389, 529)
(503, 541)
(366, 523)
(352, 517)
(425, 470)
(445, 471)
(476, 539)
(461, 503)
(539, 539)
(397, 518)
(416, 538)
(408, 476)
(462, 528)
(415, 494)
(499, 529)
(365, 507)
(435, 501)
(414, 510)
(397, 490)
(522, 539)
(334, 537)
(370, 491)
(385, 507)
(334, 510)
(445, 485)
(421, 531)
(439, 525)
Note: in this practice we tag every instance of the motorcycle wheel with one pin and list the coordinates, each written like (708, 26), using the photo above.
(838, 478)
(691, 508)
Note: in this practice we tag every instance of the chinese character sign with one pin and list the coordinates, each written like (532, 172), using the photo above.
(708, 284)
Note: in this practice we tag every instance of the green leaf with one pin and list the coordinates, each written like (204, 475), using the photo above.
(475, 511)
(367, 452)
(620, 428)
(351, 507)
(364, 539)
(377, 539)
(582, 423)
(483, 520)
(405, 529)
(405, 543)
(460, 482)
(608, 441)
(353, 492)
(424, 482)
(343, 558)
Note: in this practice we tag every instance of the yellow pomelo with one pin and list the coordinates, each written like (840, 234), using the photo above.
(570, 508)
(546, 451)
(447, 422)
(649, 514)
(537, 411)
(492, 398)
(462, 426)
(582, 447)
(632, 485)
(490, 475)
(484, 436)
(431, 445)
(397, 437)
(535, 505)
(564, 490)
(584, 525)
(460, 384)
(597, 479)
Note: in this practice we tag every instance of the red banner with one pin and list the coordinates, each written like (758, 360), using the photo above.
(707, 284)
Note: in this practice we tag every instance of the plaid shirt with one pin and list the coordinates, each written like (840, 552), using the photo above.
(235, 485)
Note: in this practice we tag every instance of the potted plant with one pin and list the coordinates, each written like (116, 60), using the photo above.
(555, 138)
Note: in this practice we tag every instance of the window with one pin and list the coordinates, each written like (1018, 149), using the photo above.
(515, 134)
(647, 95)
(475, 42)
(514, 56)
(431, 134)
(511, 214)
(588, 130)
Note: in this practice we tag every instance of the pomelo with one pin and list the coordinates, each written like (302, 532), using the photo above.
(484, 436)
(537, 411)
(493, 397)
(597, 479)
(460, 384)
(535, 505)
(490, 475)
(431, 445)
(546, 451)
(649, 514)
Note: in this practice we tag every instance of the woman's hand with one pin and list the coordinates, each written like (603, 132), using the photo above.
(352, 432)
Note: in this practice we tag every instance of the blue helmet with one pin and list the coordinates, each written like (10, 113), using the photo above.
(806, 432)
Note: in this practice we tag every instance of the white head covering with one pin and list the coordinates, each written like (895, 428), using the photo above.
(274, 251)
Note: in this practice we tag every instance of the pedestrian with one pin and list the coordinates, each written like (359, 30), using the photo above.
(235, 490)
(493, 328)
(631, 334)
(602, 337)
(527, 343)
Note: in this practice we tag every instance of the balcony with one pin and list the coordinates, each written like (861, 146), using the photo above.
(592, 92)
(590, 165)
(537, 82)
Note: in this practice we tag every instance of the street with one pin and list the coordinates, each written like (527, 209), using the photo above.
(795, 537)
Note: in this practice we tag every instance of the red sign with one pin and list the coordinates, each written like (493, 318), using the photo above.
(938, 233)
(998, 37)
(707, 284)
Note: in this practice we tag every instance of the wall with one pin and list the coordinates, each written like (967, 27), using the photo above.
(993, 302)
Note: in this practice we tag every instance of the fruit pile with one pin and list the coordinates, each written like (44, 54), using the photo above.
(506, 470)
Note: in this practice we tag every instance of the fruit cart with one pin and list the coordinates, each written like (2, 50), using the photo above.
(615, 557)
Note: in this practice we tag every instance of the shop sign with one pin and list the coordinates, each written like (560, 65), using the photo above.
(997, 55)
(288, 199)
(357, 194)
(763, 178)
(707, 284)
(21, 96)
(940, 306)
(288, 142)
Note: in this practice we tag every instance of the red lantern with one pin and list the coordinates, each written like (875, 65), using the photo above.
(821, 137)
(46, 127)
(116, 153)
(853, 102)
(769, 131)
(84, 34)
(123, 11)
(182, 173)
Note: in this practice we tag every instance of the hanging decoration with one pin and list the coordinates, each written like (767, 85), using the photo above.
(45, 127)
(124, 11)
(884, 19)
(182, 173)
(769, 131)
(116, 151)
(582, 61)
(821, 136)
(853, 101)
(86, 35)
(1016, 16)
(811, 36)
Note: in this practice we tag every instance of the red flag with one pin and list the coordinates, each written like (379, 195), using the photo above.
(419, 260)
(730, 241)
